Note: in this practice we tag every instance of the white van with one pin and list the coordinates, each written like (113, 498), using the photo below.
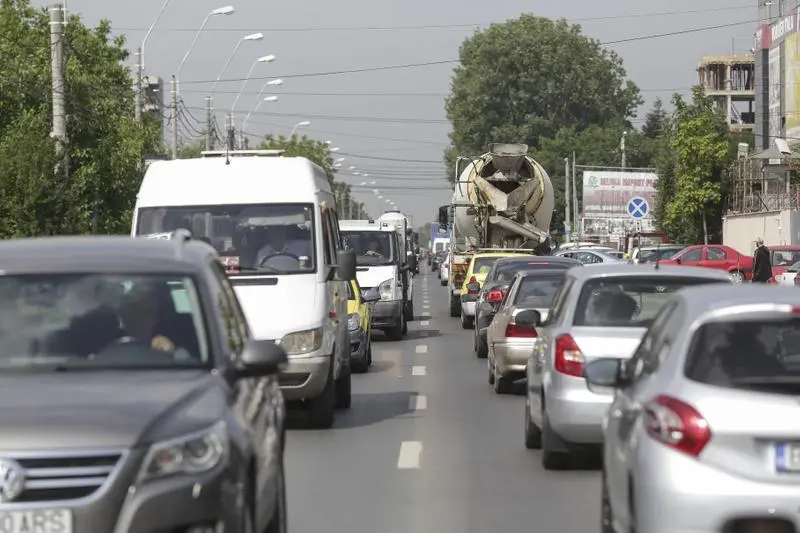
(273, 222)
(381, 264)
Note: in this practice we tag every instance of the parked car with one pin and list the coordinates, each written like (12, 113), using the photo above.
(651, 254)
(781, 259)
(359, 324)
(717, 256)
(598, 312)
(496, 285)
(789, 276)
(136, 396)
(709, 398)
(591, 256)
(512, 332)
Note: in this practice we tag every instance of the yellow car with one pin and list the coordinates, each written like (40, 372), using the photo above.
(359, 324)
(479, 267)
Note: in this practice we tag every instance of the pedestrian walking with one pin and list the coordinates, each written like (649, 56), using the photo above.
(762, 265)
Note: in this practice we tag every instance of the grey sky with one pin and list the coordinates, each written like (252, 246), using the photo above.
(658, 66)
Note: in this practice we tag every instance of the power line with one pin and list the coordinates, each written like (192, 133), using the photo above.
(437, 26)
(451, 61)
(389, 95)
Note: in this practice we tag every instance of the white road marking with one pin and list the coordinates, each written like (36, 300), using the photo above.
(418, 402)
(422, 348)
(425, 323)
(425, 307)
(419, 371)
(410, 452)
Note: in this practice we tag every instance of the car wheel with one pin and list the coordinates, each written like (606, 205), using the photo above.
(279, 519)
(551, 459)
(322, 409)
(502, 385)
(455, 307)
(369, 352)
(490, 371)
(344, 389)
(467, 322)
(533, 437)
(409, 311)
(482, 349)
(737, 276)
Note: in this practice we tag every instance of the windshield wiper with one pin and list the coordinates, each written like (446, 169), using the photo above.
(264, 268)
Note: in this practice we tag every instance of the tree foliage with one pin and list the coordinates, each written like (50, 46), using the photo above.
(316, 151)
(526, 79)
(105, 145)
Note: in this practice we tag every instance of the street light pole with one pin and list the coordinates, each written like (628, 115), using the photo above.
(299, 125)
(266, 99)
(251, 37)
(226, 10)
(140, 66)
(265, 59)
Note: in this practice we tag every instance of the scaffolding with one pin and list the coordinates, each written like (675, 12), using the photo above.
(730, 82)
(756, 187)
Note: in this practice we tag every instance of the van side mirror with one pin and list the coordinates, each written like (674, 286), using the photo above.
(370, 295)
(345, 265)
(412, 261)
(528, 318)
(260, 359)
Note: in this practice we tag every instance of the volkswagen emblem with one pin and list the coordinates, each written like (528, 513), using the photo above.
(12, 480)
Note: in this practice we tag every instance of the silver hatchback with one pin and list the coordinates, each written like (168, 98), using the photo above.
(704, 430)
(599, 312)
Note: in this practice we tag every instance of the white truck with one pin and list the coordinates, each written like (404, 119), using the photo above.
(401, 224)
(502, 199)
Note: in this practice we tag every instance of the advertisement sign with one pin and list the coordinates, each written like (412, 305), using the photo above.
(774, 93)
(791, 93)
(617, 201)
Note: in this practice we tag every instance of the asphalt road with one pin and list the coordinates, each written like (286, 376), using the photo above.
(428, 447)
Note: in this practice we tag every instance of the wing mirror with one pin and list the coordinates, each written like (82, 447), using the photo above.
(370, 295)
(261, 359)
(345, 265)
(604, 373)
(528, 318)
(411, 261)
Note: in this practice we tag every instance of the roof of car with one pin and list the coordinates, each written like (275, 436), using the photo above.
(649, 269)
(102, 254)
(704, 298)
(537, 258)
(543, 273)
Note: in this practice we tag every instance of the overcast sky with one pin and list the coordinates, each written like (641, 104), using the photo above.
(391, 123)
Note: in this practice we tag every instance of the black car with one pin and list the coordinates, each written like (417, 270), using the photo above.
(438, 257)
(496, 284)
(134, 397)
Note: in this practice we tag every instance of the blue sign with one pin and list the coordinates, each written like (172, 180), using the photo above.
(638, 207)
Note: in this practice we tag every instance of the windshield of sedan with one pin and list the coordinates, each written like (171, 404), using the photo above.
(371, 247)
(250, 239)
(88, 321)
(628, 301)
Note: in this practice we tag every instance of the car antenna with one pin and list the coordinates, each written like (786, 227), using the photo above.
(658, 254)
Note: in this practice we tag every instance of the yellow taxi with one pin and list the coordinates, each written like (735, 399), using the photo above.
(359, 324)
(479, 267)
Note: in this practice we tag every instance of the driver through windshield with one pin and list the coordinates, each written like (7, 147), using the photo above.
(250, 239)
(371, 247)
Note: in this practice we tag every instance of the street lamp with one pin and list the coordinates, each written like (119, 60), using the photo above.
(264, 59)
(339, 160)
(299, 125)
(251, 37)
(267, 99)
(352, 168)
(140, 62)
(226, 10)
(335, 149)
(259, 100)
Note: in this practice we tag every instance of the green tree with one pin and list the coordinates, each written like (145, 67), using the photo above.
(655, 121)
(526, 79)
(700, 142)
(191, 150)
(316, 151)
(105, 145)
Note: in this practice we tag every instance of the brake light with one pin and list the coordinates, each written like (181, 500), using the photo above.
(495, 296)
(677, 425)
(521, 332)
(569, 358)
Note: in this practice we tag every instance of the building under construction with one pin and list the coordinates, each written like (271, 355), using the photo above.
(730, 82)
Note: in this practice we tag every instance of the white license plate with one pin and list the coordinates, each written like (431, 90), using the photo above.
(787, 456)
(36, 521)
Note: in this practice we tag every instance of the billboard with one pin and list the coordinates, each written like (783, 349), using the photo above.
(606, 195)
(775, 93)
(791, 93)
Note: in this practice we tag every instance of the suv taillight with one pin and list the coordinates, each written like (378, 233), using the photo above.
(677, 425)
(495, 296)
(569, 358)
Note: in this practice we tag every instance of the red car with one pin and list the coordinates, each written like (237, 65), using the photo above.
(782, 257)
(739, 266)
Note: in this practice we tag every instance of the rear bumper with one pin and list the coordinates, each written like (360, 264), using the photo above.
(575, 413)
(511, 358)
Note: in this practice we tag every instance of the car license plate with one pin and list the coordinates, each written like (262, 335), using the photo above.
(36, 521)
(787, 456)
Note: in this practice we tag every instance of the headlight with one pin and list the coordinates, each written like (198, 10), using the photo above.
(301, 342)
(353, 321)
(189, 454)
(386, 289)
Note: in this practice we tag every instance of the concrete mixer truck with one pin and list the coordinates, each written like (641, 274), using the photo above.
(502, 200)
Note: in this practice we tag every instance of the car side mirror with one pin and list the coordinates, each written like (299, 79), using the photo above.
(412, 261)
(370, 295)
(604, 373)
(261, 359)
(528, 318)
(678, 260)
(473, 287)
(345, 265)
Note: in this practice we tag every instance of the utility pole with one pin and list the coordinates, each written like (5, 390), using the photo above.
(59, 133)
(174, 106)
(138, 85)
(567, 211)
(231, 140)
(576, 219)
(209, 123)
(622, 149)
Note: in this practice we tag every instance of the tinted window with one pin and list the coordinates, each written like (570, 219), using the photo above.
(627, 301)
(100, 320)
(716, 254)
(507, 270)
(537, 292)
(761, 355)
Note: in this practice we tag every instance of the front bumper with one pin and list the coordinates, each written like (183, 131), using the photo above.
(305, 377)
(387, 314)
(358, 345)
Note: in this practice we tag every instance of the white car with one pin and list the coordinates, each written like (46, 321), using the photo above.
(444, 270)
(789, 275)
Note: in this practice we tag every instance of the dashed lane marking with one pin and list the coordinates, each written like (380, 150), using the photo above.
(422, 348)
(409, 456)
(418, 402)
(419, 371)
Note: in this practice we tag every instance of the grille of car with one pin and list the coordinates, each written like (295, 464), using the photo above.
(68, 476)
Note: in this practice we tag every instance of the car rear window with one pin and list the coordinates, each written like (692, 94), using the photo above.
(483, 263)
(759, 355)
(538, 291)
(628, 301)
(507, 271)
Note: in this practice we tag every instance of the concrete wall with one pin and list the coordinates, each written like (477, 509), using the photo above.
(775, 227)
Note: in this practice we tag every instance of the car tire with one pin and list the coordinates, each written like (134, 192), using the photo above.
(502, 385)
(551, 459)
(467, 322)
(369, 352)
(322, 409)
(737, 276)
(481, 348)
(278, 524)
(409, 311)
(344, 389)
(396, 333)
(533, 436)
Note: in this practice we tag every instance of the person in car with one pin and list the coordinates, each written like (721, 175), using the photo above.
(373, 248)
(140, 316)
(278, 243)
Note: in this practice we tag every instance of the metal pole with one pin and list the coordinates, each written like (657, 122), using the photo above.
(567, 210)
(622, 149)
(231, 134)
(59, 133)
(209, 123)
(575, 212)
(174, 117)
(138, 85)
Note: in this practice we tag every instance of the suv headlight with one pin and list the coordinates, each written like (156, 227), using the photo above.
(386, 289)
(301, 342)
(353, 321)
(189, 454)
